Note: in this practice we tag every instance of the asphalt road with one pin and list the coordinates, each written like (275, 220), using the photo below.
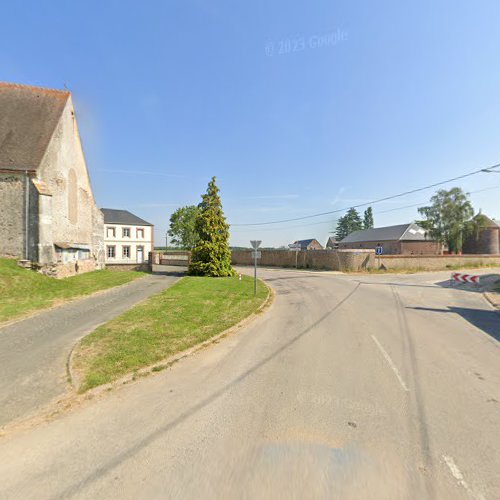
(347, 387)
(34, 351)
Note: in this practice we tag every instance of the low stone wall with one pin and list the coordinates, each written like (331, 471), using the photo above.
(144, 267)
(330, 260)
(359, 260)
(181, 258)
(434, 262)
(67, 270)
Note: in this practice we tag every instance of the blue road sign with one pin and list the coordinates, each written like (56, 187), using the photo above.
(379, 250)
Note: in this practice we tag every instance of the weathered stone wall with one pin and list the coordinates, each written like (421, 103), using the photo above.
(434, 262)
(359, 260)
(69, 269)
(98, 248)
(12, 227)
(332, 260)
(74, 212)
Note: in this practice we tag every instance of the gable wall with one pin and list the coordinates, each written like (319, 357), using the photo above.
(73, 216)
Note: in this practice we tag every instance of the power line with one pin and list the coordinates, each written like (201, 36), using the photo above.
(378, 212)
(482, 170)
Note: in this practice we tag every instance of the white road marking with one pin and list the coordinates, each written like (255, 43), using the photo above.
(391, 364)
(455, 472)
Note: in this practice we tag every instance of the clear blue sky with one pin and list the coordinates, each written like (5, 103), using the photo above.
(296, 107)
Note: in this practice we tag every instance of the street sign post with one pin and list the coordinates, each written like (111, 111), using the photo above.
(256, 255)
(379, 250)
(295, 247)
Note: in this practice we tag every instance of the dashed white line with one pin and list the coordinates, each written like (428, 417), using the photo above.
(455, 472)
(391, 364)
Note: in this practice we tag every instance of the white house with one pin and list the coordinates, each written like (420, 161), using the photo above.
(128, 239)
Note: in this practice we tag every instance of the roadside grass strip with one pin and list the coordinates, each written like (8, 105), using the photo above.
(188, 313)
(23, 291)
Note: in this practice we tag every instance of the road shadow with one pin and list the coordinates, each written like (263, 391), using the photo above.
(133, 448)
(485, 320)
(160, 270)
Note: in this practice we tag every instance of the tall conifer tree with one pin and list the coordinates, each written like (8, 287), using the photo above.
(211, 256)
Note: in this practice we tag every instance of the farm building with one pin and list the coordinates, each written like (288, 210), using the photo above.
(403, 239)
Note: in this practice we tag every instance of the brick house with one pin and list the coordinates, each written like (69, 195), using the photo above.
(128, 239)
(47, 210)
(311, 244)
(403, 239)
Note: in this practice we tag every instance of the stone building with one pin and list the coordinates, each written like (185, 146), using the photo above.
(48, 215)
(487, 241)
(403, 239)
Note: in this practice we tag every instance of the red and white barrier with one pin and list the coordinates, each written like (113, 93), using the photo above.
(465, 278)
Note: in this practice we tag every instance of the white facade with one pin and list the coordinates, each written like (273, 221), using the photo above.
(127, 243)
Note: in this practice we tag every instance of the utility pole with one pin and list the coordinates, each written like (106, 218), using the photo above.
(166, 241)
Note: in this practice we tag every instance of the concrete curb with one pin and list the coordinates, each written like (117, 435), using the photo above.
(493, 298)
(167, 362)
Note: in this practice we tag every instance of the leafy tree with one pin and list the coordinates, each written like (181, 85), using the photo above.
(477, 225)
(211, 256)
(447, 219)
(350, 222)
(368, 221)
(182, 227)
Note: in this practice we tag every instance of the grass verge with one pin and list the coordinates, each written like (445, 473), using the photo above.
(191, 311)
(23, 291)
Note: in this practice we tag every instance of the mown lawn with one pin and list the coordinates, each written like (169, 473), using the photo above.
(23, 291)
(191, 311)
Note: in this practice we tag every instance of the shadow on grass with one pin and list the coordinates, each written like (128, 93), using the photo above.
(485, 320)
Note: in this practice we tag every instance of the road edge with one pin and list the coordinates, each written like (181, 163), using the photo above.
(33, 314)
(493, 298)
(72, 399)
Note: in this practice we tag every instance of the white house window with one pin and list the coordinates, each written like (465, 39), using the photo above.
(110, 232)
(111, 252)
(126, 252)
(126, 233)
(140, 233)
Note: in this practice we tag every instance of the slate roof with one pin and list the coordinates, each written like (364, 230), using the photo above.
(305, 243)
(112, 216)
(28, 118)
(402, 232)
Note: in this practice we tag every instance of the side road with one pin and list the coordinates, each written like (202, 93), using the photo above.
(34, 352)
